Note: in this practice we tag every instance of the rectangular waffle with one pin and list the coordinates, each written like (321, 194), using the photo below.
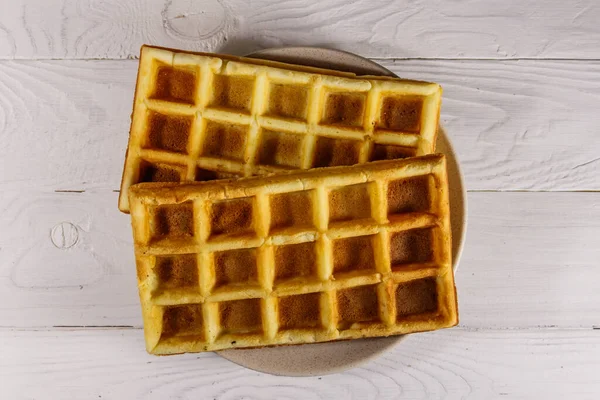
(307, 256)
(200, 117)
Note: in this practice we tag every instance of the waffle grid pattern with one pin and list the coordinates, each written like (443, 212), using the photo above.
(355, 252)
(199, 117)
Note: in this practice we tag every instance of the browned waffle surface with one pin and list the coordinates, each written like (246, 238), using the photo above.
(308, 256)
(200, 117)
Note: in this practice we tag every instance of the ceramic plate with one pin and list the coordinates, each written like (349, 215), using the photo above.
(327, 358)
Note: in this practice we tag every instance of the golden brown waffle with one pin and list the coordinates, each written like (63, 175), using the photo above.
(308, 256)
(200, 117)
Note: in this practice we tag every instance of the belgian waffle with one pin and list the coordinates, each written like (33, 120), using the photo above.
(307, 256)
(200, 117)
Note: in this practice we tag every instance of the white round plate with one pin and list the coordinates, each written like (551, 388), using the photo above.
(327, 358)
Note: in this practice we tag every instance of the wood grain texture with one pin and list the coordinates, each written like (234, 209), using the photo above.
(531, 260)
(384, 28)
(527, 284)
(64, 123)
(517, 125)
(448, 364)
(48, 283)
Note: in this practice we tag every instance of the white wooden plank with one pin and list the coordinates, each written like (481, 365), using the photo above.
(517, 125)
(384, 28)
(531, 260)
(62, 123)
(66, 259)
(450, 364)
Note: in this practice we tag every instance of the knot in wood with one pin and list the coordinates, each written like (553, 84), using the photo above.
(64, 235)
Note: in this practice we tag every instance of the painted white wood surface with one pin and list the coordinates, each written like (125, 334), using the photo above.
(531, 260)
(450, 364)
(528, 281)
(373, 28)
(516, 125)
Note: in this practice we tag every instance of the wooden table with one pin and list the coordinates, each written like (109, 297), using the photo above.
(521, 104)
